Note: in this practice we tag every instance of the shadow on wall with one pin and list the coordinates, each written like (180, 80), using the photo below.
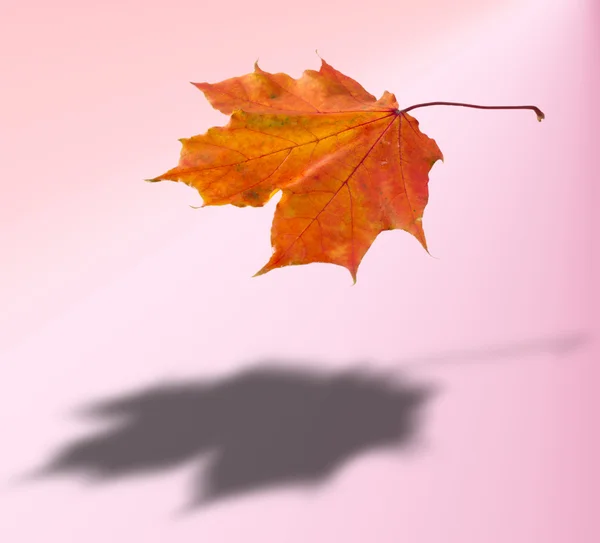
(267, 426)
(261, 428)
(559, 345)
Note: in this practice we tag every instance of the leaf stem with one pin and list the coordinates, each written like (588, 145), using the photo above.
(538, 111)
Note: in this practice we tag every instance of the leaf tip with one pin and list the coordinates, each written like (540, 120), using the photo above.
(431, 255)
(353, 271)
(200, 86)
(423, 242)
(266, 268)
(324, 64)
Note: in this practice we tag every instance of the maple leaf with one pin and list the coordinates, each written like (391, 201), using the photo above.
(349, 166)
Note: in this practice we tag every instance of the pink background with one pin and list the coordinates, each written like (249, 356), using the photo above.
(109, 285)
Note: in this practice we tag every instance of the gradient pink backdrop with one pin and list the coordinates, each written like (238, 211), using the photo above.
(108, 284)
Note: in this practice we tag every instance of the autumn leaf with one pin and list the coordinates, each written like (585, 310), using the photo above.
(349, 166)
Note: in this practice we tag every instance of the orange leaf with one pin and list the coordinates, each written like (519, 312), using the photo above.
(349, 166)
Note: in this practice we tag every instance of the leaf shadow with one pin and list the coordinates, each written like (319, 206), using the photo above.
(261, 428)
(267, 426)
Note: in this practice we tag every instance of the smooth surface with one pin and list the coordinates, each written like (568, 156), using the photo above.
(110, 286)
